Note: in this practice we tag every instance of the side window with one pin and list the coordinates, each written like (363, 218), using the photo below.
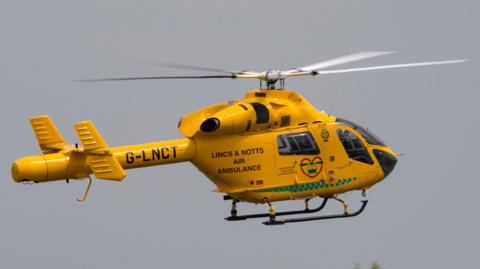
(297, 144)
(354, 146)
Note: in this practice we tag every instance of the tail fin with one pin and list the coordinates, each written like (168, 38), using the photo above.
(48, 136)
(103, 164)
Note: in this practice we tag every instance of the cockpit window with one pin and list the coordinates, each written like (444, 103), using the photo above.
(297, 144)
(354, 146)
(369, 136)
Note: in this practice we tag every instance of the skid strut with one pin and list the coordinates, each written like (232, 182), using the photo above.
(337, 216)
(307, 210)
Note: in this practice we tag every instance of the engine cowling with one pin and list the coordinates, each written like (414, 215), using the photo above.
(235, 118)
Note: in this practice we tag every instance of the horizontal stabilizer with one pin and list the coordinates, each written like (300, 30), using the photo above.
(48, 136)
(106, 167)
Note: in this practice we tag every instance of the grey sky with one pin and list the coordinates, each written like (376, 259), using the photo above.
(425, 215)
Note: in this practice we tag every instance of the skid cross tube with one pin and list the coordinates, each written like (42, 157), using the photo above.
(337, 216)
(282, 213)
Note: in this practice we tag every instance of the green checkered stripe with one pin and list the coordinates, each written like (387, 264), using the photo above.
(310, 186)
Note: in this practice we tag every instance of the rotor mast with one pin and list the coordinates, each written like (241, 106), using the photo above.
(271, 84)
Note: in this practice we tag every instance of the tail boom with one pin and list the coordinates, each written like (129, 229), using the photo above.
(75, 164)
(166, 152)
(95, 156)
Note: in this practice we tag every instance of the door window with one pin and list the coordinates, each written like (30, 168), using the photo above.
(297, 144)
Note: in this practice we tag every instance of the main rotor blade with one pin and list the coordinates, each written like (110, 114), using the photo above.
(147, 78)
(325, 72)
(341, 60)
(190, 67)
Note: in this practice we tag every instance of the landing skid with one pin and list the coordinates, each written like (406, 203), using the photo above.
(234, 217)
(273, 221)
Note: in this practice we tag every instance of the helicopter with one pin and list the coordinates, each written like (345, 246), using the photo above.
(270, 146)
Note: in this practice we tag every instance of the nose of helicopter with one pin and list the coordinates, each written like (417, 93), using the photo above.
(387, 161)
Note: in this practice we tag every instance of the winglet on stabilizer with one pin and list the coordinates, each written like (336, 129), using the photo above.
(48, 136)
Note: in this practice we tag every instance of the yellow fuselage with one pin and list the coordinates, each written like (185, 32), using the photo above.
(270, 146)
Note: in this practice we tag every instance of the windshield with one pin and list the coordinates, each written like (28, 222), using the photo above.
(369, 136)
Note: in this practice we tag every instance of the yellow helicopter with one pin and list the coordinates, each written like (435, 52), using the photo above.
(270, 146)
